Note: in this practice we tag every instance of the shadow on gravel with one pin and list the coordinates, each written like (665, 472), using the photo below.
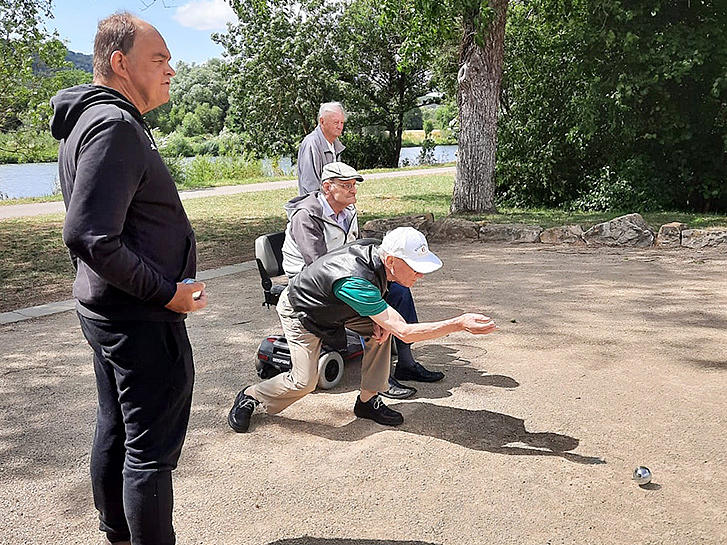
(307, 540)
(476, 430)
(457, 371)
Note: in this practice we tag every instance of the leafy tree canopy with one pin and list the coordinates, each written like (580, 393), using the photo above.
(195, 86)
(279, 71)
(611, 104)
(289, 57)
(25, 44)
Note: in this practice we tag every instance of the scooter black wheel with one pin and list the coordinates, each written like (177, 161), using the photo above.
(330, 370)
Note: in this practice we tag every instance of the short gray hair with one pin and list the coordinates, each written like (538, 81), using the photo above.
(331, 107)
(115, 33)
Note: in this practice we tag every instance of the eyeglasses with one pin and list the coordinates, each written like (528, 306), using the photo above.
(348, 187)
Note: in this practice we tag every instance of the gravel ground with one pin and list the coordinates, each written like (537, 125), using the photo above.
(605, 360)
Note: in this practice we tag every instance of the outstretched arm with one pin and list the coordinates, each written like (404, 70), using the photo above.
(390, 320)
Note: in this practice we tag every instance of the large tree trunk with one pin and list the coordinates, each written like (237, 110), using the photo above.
(478, 98)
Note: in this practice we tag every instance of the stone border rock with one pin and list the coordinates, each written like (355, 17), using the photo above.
(625, 231)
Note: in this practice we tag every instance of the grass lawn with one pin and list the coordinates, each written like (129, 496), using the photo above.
(35, 267)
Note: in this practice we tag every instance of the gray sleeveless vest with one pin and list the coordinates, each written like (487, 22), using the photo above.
(311, 291)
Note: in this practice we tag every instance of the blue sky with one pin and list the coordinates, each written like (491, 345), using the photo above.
(185, 24)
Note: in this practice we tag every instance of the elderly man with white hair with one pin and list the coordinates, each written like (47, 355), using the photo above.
(343, 289)
(320, 147)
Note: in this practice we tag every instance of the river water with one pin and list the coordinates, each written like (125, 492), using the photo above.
(40, 179)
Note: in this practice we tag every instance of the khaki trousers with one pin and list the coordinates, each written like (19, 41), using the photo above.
(280, 391)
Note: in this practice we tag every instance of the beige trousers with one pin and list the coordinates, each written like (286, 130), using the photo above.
(280, 391)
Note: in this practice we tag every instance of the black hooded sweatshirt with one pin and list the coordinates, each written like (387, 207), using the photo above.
(127, 232)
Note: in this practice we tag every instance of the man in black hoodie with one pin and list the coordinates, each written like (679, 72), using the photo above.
(132, 246)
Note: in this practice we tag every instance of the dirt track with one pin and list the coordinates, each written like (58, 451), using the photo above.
(605, 360)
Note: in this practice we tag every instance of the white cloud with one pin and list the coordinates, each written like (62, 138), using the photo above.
(205, 14)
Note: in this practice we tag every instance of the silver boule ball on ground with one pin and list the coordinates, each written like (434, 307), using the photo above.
(642, 475)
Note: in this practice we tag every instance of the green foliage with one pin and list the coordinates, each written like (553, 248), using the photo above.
(289, 57)
(176, 167)
(611, 104)
(413, 119)
(230, 143)
(32, 69)
(428, 128)
(176, 145)
(426, 154)
(198, 94)
(225, 144)
(27, 52)
(368, 149)
(200, 170)
(27, 146)
(378, 88)
(445, 116)
(279, 71)
(206, 171)
(191, 125)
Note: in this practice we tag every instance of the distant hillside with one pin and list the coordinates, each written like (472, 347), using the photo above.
(81, 61)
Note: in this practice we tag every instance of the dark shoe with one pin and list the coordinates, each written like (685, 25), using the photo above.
(417, 372)
(397, 390)
(242, 409)
(374, 409)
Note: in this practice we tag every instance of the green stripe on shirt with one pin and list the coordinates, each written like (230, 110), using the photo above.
(361, 295)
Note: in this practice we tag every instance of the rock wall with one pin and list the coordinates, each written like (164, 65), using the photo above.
(629, 230)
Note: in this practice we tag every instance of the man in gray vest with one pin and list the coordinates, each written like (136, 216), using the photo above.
(320, 147)
(345, 289)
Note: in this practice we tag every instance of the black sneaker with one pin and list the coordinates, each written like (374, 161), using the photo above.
(242, 409)
(397, 390)
(416, 372)
(374, 409)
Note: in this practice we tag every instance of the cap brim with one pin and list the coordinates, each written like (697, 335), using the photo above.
(425, 264)
(358, 178)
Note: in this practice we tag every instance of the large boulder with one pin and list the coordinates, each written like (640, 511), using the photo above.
(565, 234)
(628, 230)
(447, 229)
(513, 233)
(670, 235)
(704, 238)
(378, 228)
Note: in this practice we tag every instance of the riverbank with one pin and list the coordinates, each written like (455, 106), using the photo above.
(256, 183)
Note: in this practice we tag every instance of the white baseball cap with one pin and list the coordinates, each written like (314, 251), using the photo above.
(410, 245)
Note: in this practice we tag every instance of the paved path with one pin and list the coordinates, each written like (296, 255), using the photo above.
(41, 209)
(57, 307)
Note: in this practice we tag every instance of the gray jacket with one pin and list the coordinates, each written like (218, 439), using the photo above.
(313, 155)
(309, 234)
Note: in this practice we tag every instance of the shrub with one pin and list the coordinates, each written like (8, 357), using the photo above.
(207, 146)
(367, 150)
(426, 154)
(176, 145)
(176, 169)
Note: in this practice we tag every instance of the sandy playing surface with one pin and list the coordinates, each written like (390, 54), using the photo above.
(605, 360)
